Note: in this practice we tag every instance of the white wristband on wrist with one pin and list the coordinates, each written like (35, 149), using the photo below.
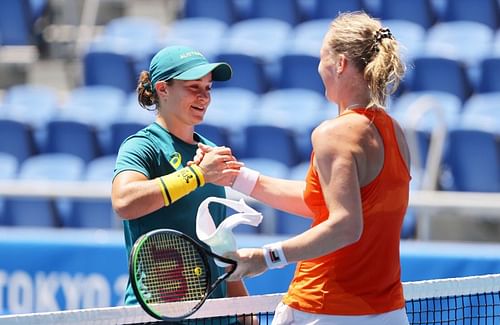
(274, 256)
(246, 180)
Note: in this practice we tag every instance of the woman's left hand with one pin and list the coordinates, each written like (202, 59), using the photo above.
(250, 261)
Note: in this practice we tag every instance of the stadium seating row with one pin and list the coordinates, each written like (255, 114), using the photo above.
(423, 12)
(99, 118)
(290, 55)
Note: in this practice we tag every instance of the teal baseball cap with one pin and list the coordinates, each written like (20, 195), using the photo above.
(185, 63)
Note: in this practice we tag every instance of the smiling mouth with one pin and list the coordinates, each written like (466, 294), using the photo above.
(198, 108)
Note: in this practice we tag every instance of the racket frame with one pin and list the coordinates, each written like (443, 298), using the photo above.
(203, 252)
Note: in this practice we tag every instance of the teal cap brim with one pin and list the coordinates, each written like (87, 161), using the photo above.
(220, 72)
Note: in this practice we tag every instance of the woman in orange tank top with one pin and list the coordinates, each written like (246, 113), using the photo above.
(356, 191)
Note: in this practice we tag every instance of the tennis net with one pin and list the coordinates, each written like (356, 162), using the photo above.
(466, 300)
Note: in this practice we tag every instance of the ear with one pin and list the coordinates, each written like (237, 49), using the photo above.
(161, 87)
(341, 63)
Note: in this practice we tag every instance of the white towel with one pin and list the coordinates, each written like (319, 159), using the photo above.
(221, 239)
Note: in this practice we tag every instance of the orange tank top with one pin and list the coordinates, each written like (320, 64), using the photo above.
(362, 278)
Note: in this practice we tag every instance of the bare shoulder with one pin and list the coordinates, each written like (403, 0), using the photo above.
(347, 130)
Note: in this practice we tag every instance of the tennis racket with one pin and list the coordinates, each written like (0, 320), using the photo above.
(170, 274)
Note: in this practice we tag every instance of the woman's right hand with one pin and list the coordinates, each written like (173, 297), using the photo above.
(218, 164)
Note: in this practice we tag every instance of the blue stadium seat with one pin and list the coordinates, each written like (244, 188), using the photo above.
(17, 139)
(417, 11)
(132, 37)
(204, 34)
(482, 11)
(268, 167)
(271, 142)
(300, 71)
(307, 37)
(95, 213)
(281, 107)
(441, 74)
(8, 170)
(32, 104)
(474, 160)
(287, 223)
(38, 8)
(110, 69)
(410, 35)
(248, 37)
(482, 112)
(132, 33)
(449, 104)
(16, 23)
(285, 10)
(431, 106)
(133, 112)
(8, 166)
(489, 75)
(44, 212)
(331, 8)
(98, 105)
(75, 138)
(223, 10)
(248, 72)
(217, 134)
(447, 40)
(120, 131)
(232, 107)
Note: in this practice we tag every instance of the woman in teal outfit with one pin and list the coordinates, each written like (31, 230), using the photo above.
(153, 186)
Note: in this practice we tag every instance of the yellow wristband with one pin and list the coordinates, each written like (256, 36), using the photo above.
(199, 173)
(177, 185)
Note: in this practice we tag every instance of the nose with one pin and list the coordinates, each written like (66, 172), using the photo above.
(204, 95)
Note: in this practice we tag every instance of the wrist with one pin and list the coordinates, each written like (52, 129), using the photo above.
(200, 174)
(246, 180)
(180, 183)
(274, 255)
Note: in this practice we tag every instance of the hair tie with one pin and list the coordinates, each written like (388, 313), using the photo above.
(379, 36)
(147, 85)
(383, 33)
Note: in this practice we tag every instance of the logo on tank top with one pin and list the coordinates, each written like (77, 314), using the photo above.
(175, 160)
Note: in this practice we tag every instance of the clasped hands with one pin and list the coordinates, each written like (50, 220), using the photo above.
(218, 164)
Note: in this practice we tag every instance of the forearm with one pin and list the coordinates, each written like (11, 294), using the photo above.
(134, 196)
(138, 198)
(286, 195)
(325, 238)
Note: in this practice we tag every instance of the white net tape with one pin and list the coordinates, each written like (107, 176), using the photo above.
(249, 305)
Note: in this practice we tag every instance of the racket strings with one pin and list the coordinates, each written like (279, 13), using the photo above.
(171, 269)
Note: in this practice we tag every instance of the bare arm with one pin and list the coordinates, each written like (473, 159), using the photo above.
(335, 161)
(338, 173)
(133, 195)
(282, 194)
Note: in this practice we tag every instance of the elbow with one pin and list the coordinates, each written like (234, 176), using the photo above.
(122, 207)
(347, 230)
(354, 235)
(353, 231)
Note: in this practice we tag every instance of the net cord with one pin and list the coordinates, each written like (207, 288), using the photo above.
(247, 305)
